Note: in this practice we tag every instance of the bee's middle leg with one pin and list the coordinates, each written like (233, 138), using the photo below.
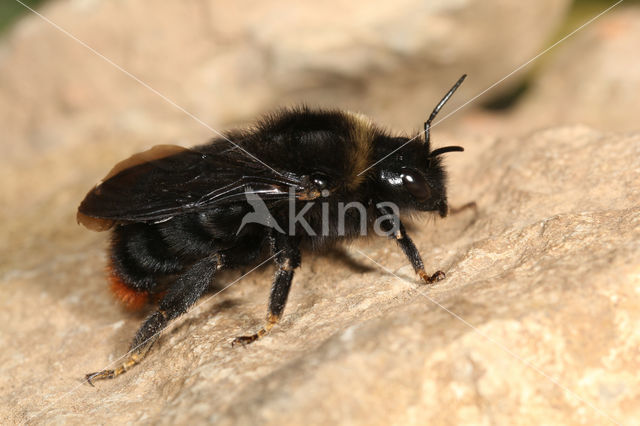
(287, 258)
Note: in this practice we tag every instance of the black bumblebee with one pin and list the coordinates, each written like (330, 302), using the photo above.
(180, 215)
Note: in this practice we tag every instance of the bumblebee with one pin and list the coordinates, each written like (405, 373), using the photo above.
(178, 216)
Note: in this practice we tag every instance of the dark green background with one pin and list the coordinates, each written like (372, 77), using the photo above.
(11, 10)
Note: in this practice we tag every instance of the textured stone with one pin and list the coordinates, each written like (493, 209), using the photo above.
(542, 287)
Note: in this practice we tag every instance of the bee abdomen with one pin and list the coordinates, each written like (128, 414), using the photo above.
(139, 256)
(130, 297)
(188, 236)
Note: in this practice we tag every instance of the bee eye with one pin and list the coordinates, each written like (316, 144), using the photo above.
(416, 184)
(320, 181)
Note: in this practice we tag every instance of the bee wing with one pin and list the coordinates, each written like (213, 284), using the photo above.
(166, 181)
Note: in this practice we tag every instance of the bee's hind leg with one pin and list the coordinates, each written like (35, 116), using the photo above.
(186, 290)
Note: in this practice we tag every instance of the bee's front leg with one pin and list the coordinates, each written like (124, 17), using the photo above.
(412, 253)
(397, 231)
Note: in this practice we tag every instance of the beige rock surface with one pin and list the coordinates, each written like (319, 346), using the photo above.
(536, 323)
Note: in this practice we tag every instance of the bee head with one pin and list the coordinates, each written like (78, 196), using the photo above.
(411, 174)
(414, 177)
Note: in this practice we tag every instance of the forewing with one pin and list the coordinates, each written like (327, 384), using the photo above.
(166, 181)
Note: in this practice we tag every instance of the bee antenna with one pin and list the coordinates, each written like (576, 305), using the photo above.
(444, 149)
(436, 110)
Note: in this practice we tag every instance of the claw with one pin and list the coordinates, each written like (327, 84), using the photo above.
(430, 279)
(104, 374)
(244, 340)
(272, 320)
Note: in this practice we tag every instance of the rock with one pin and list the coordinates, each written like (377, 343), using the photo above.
(593, 78)
(538, 317)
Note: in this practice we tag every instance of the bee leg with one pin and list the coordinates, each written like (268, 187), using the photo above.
(395, 229)
(183, 293)
(412, 253)
(287, 259)
(458, 209)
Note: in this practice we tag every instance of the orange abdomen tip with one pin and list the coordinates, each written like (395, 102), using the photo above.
(131, 298)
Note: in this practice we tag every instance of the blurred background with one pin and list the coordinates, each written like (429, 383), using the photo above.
(575, 14)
